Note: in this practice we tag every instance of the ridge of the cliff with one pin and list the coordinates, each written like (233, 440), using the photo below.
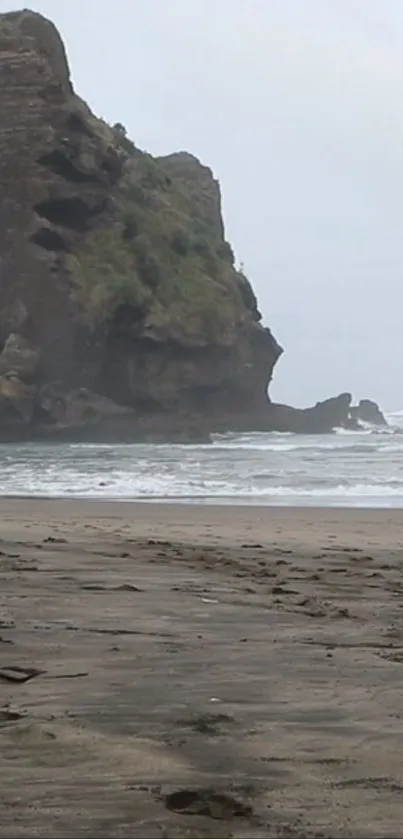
(119, 292)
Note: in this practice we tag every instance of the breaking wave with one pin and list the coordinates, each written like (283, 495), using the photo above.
(343, 469)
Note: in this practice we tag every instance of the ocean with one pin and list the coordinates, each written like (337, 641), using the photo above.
(346, 469)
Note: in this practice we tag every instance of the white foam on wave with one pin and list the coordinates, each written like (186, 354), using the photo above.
(302, 444)
(348, 432)
(120, 485)
(395, 421)
(352, 469)
(256, 446)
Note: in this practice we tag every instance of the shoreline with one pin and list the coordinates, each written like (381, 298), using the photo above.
(195, 671)
(203, 502)
(381, 526)
(187, 502)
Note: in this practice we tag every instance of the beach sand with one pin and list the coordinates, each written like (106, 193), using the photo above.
(200, 671)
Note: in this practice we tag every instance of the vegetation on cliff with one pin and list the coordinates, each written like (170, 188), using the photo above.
(155, 252)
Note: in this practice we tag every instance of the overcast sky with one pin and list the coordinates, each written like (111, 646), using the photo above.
(297, 107)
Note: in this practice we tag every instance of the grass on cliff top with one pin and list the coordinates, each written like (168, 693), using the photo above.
(159, 256)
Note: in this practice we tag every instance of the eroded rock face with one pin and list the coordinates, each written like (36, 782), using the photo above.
(322, 418)
(200, 183)
(115, 273)
(17, 401)
(368, 411)
(326, 416)
(19, 357)
(76, 407)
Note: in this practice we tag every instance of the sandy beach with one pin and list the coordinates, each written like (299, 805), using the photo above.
(173, 671)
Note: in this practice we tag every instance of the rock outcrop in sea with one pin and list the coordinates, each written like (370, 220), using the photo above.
(326, 416)
(122, 313)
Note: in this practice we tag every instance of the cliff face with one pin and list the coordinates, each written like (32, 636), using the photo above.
(115, 276)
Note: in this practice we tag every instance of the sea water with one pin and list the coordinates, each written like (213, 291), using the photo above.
(342, 469)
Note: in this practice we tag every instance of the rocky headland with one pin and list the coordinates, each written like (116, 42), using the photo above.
(122, 312)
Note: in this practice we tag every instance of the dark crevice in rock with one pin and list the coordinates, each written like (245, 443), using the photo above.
(68, 212)
(76, 123)
(60, 164)
(49, 239)
(207, 802)
(125, 319)
(73, 213)
(110, 167)
(9, 412)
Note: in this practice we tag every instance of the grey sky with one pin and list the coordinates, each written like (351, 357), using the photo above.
(296, 105)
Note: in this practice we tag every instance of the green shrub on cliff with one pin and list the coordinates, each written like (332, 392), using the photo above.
(180, 241)
(147, 263)
(157, 251)
(134, 194)
(130, 221)
(105, 274)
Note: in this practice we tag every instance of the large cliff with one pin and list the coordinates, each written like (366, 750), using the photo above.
(119, 298)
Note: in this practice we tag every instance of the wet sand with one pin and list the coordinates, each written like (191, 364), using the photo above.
(172, 671)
